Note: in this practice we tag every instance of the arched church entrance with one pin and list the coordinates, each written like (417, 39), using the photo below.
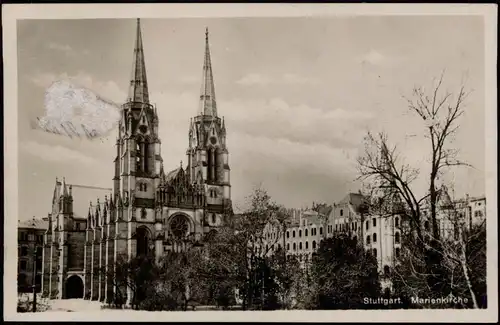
(143, 237)
(74, 287)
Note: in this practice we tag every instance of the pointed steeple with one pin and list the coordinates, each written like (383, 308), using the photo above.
(65, 188)
(208, 104)
(138, 91)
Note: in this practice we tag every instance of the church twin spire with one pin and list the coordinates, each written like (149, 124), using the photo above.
(208, 105)
(138, 91)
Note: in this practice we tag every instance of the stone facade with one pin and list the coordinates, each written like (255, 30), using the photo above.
(150, 211)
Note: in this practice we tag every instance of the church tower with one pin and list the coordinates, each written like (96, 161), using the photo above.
(138, 160)
(207, 153)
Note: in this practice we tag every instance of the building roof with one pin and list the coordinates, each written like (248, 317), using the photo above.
(172, 174)
(33, 224)
(356, 200)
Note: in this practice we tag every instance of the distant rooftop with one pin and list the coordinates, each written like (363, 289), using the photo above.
(33, 224)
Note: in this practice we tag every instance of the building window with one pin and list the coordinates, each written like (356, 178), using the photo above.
(144, 213)
(287, 234)
(314, 244)
(367, 225)
(39, 264)
(307, 245)
(478, 214)
(397, 238)
(396, 221)
(368, 240)
(300, 233)
(24, 251)
(374, 237)
(294, 247)
(398, 252)
(336, 227)
(300, 245)
(321, 230)
(293, 234)
(24, 236)
(341, 212)
(288, 246)
(375, 252)
(267, 248)
(355, 225)
(23, 265)
(305, 232)
(374, 222)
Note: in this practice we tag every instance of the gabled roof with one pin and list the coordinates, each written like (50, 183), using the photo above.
(172, 174)
(356, 200)
(33, 224)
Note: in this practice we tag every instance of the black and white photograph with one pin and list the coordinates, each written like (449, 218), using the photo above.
(238, 163)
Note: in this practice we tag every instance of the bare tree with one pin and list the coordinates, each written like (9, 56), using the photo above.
(440, 112)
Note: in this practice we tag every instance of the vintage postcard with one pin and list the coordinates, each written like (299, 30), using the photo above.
(235, 162)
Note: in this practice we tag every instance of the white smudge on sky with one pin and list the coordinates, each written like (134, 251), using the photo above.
(72, 110)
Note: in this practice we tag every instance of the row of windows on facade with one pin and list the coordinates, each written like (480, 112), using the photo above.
(373, 238)
(294, 245)
(25, 236)
(23, 264)
(306, 233)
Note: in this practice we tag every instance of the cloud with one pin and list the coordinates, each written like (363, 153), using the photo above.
(55, 154)
(106, 89)
(74, 106)
(276, 119)
(286, 79)
(373, 57)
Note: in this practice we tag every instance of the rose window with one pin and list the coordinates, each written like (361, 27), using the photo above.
(179, 227)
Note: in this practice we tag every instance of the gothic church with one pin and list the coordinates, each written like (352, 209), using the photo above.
(150, 211)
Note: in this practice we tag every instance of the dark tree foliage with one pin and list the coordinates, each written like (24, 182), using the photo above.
(343, 274)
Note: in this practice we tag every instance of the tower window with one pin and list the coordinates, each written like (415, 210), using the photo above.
(305, 232)
(396, 222)
(294, 246)
(300, 233)
(300, 245)
(367, 225)
(374, 222)
(397, 238)
(368, 240)
(341, 212)
(293, 234)
(321, 230)
(307, 245)
(287, 234)
(314, 244)
(374, 237)
(288, 246)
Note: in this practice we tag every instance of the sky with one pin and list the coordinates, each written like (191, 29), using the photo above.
(297, 95)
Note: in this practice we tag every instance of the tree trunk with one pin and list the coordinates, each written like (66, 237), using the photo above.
(463, 262)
